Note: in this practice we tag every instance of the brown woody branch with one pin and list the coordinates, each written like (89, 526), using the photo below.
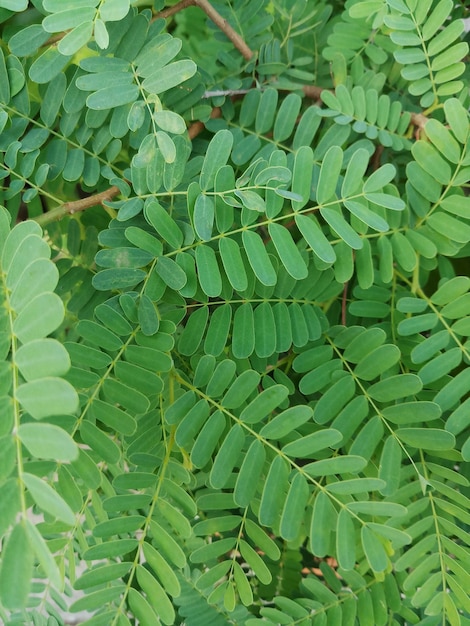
(218, 20)
(69, 208)
(312, 91)
(195, 129)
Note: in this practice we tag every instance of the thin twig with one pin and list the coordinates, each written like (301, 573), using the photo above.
(69, 208)
(225, 92)
(179, 6)
(218, 20)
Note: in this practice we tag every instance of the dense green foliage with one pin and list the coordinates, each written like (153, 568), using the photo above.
(234, 385)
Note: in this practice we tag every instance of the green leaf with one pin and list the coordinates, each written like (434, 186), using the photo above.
(156, 595)
(250, 473)
(100, 442)
(101, 34)
(208, 552)
(451, 289)
(378, 361)
(377, 508)
(204, 217)
(48, 65)
(334, 400)
(192, 422)
(374, 550)
(217, 155)
(227, 457)
(44, 555)
(42, 357)
(251, 200)
(443, 140)
(114, 10)
(363, 213)
(315, 238)
(16, 569)
(288, 251)
(294, 507)
(218, 331)
(40, 317)
(337, 222)
(233, 263)
(208, 271)
(323, 522)
(97, 599)
(355, 485)
(169, 76)
(243, 586)
(242, 387)
(302, 176)
(142, 609)
(14, 5)
(431, 162)
(110, 97)
(102, 574)
(262, 540)
(193, 331)
(272, 500)
(47, 396)
(46, 441)
(380, 178)
(259, 258)
(457, 118)
(120, 278)
(255, 562)
(346, 541)
(411, 412)
(395, 387)
(110, 549)
(276, 173)
(285, 422)
(27, 40)
(305, 446)
(67, 18)
(426, 438)
(163, 224)
(389, 468)
(76, 38)
(171, 273)
(355, 171)
(263, 404)
(48, 500)
(170, 122)
(114, 417)
(329, 174)
(350, 464)
(452, 227)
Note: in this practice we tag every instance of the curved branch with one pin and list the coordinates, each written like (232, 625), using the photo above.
(69, 208)
(218, 20)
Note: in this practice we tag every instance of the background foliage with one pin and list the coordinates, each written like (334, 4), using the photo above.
(234, 378)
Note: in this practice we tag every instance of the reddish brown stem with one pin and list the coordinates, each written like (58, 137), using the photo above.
(218, 20)
(69, 208)
(195, 129)
(312, 91)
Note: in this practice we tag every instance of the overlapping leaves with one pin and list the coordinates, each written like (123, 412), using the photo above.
(36, 401)
(251, 359)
